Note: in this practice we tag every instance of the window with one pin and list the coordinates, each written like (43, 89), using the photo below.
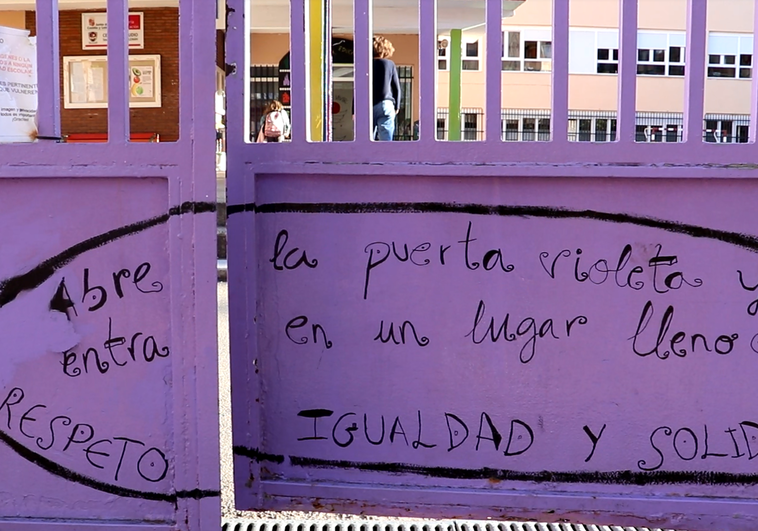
(470, 56)
(534, 56)
(529, 128)
(651, 62)
(514, 44)
(676, 61)
(601, 130)
(661, 62)
(543, 129)
(510, 131)
(721, 65)
(518, 125)
(742, 134)
(585, 130)
(658, 53)
(730, 55)
(590, 128)
(725, 65)
(607, 61)
(732, 129)
(746, 60)
(441, 128)
(673, 133)
(652, 133)
(442, 54)
(471, 118)
(511, 60)
(470, 59)
(651, 128)
(470, 126)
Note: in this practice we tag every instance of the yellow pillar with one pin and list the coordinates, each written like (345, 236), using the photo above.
(316, 63)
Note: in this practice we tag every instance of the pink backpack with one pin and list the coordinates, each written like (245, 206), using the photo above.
(274, 124)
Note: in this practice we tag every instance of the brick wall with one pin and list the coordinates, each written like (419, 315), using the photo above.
(162, 38)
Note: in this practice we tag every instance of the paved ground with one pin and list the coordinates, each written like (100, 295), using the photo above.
(227, 491)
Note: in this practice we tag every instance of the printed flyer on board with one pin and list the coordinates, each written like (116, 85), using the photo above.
(18, 86)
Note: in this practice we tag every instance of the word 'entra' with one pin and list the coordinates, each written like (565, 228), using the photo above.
(140, 346)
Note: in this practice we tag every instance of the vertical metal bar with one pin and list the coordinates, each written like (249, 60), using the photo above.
(627, 84)
(316, 67)
(753, 128)
(427, 71)
(363, 60)
(299, 79)
(118, 63)
(237, 49)
(328, 70)
(190, 85)
(493, 65)
(454, 91)
(559, 112)
(694, 87)
(193, 264)
(48, 69)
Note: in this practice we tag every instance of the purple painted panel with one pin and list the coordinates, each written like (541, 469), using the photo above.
(86, 313)
(90, 359)
(451, 346)
(108, 367)
(560, 331)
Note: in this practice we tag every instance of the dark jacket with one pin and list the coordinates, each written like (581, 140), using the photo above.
(386, 82)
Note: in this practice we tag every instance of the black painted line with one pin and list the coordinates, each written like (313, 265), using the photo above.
(236, 209)
(616, 477)
(10, 288)
(57, 470)
(745, 241)
(256, 455)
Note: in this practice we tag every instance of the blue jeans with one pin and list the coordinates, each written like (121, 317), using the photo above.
(384, 120)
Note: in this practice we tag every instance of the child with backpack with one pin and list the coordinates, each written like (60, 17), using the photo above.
(275, 123)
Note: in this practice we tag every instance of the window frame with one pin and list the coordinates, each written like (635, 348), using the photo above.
(445, 56)
(471, 58)
(654, 61)
(737, 124)
(612, 60)
(513, 125)
(524, 63)
(717, 59)
(443, 53)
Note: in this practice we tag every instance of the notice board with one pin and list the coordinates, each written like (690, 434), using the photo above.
(580, 349)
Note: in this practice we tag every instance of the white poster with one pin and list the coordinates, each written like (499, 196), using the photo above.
(95, 31)
(18, 86)
(141, 82)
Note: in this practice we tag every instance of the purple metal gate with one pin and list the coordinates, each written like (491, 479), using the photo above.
(108, 374)
(560, 331)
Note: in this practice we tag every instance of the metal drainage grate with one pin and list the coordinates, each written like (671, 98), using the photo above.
(246, 524)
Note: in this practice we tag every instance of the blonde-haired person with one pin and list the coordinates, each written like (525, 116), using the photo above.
(274, 124)
(386, 89)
